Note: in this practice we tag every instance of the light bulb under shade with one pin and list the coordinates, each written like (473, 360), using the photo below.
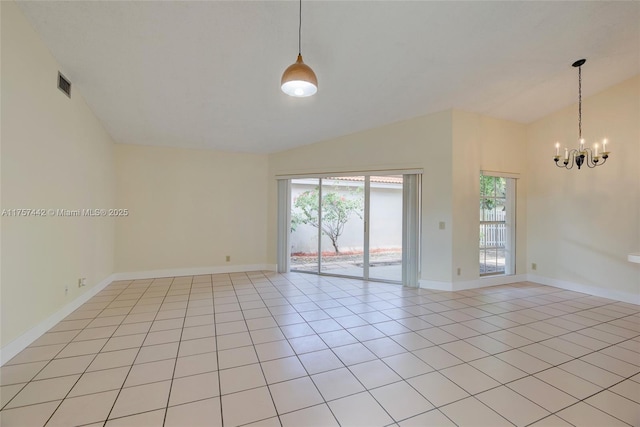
(299, 80)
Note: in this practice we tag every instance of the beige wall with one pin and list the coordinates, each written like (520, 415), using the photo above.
(484, 143)
(451, 147)
(189, 208)
(55, 154)
(583, 223)
(423, 142)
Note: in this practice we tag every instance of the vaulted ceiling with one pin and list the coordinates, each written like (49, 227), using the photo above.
(207, 74)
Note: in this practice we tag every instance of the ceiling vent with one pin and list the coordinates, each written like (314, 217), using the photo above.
(64, 84)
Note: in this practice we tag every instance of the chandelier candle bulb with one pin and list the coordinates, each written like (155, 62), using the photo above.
(595, 148)
(566, 153)
(557, 148)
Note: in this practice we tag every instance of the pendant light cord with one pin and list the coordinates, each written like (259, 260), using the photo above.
(300, 28)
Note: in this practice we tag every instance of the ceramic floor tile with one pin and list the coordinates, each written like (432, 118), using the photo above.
(274, 350)
(412, 341)
(437, 335)
(315, 416)
(113, 359)
(8, 392)
(464, 351)
(400, 400)
(437, 388)
(241, 378)
(542, 393)
(105, 380)
(551, 421)
(432, 418)
(283, 369)
(295, 394)
(512, 406)
(437, 358)
(66, 366)
(591, 373)
(611, 364)
(237, 412)
(141, 398)
(337, 383)
(266, 335)
(15, 374)
(152, 418)
(629, 389)
(33, 415)
(383, 347)
(151, 372)
(204, 413)
(359, 410)
(471, 412)
(195, 387)
(36, 354)
(237, 357)
(523, 361)
(374, 374)
(307, 344)
(43, 391)
(488, 344)
(320, 361)
(469, 378)
(407, 365)
(354, 353)
(84, 409)
(297, 324)
(585, 415)
(197, 346)
(569, 383)
(617, 406)
(546, 354)
(196, 364)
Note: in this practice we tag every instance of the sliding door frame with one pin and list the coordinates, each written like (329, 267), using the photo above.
(411, 224)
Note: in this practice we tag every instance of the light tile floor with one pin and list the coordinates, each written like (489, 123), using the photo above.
(302, 350)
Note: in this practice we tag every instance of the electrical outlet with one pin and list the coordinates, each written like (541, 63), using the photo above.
(459, 271)
(228, 258)
(534, 266)
(82, 282)
(441, 225)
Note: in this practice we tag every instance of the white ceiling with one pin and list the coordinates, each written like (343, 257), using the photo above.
(207, 74)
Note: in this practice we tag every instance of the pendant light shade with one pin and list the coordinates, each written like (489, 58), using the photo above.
(299, 79)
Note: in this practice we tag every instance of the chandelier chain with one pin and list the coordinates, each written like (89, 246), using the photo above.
(580, 103)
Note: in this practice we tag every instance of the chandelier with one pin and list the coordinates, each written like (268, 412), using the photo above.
(581, 155)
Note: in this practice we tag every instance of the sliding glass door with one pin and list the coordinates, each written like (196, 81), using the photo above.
(353, 226)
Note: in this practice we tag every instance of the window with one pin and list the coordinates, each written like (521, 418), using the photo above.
(497, 225)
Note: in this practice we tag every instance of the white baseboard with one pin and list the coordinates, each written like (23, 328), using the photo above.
(23, 341)
(195, 271)
(586, 289)
(434, 285)
(482, 282)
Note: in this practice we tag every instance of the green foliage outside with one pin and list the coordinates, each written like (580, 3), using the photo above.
(336, 211)
(490, 188)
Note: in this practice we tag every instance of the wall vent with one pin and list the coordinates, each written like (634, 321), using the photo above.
(64, 84)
